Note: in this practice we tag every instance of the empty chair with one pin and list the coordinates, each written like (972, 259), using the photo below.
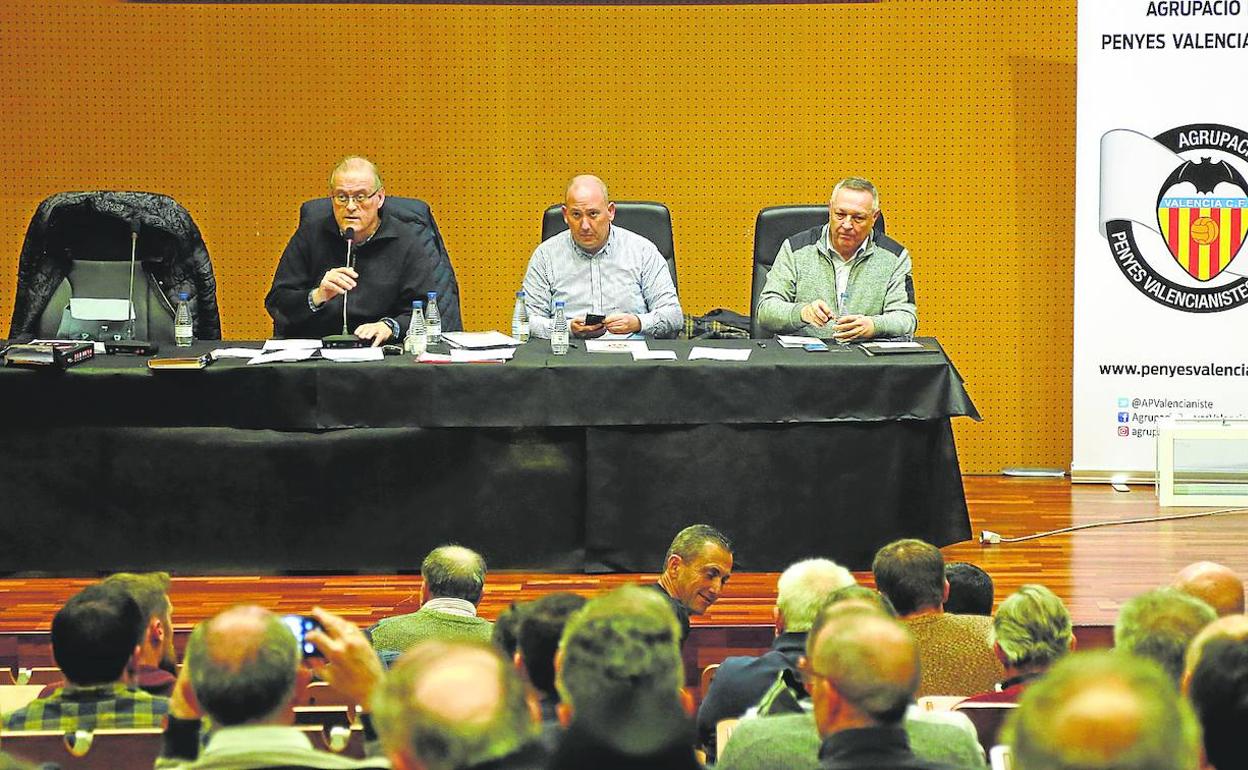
(78, 245)
(772, 228)
(83, 750)
(650, 220)
(988, 719)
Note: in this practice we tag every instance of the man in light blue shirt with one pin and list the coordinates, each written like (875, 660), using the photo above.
(597, 268)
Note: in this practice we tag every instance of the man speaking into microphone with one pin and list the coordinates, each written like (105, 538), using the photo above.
(374, 263)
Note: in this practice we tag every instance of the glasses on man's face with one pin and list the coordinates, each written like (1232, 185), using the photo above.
(343, 198)
(857, 219)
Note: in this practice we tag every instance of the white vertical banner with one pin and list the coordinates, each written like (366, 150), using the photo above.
(1161, 217)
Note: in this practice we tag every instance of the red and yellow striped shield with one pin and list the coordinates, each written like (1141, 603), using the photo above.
(1203, 240)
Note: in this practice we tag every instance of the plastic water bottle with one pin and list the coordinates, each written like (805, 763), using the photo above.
(559, 331)
(433, 319)
(417, 339)
(183, 330)
(520, 319)
(842, 303)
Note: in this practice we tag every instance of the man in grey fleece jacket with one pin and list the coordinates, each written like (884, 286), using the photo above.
(839, 280)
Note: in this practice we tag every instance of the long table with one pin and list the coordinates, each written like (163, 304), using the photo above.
(578, 462)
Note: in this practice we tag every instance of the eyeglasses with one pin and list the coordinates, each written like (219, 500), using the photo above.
(858, 219)
(342, 198)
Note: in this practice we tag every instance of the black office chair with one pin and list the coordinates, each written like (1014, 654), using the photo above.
(416, 213)
(650, 220)
(773, 226)
(78, 245)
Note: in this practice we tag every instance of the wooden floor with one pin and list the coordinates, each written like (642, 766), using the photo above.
(1093, 570)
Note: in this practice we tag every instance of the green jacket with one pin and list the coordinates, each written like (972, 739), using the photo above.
(880, 286)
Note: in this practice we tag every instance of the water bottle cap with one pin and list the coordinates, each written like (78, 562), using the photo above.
(433, 295)
(417, 304)
(184, 296)
(520, 293)
(560, 303)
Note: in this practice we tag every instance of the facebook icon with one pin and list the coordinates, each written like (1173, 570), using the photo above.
(1124, 417)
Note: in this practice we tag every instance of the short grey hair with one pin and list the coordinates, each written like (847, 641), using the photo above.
(353, 162)
(690, 541)
(804, 587)
(415, 722)
(857, 183)
(1032, 627)
(621, 648)
(1159, 624)
(1055, 726)
(453, 571)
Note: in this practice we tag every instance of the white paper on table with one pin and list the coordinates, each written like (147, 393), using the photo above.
(624, 336)
(353, 354)
(99, 346)
(617, 345)
(460, 356)
(248, 353)
(793, 341)
(654, 355)
(720, 354)
(434, 358)
(894, 345)
(292, 345)
(479, 340)
(273, 356)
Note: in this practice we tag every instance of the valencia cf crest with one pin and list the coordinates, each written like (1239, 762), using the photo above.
(1174, 214)
(1203, 214)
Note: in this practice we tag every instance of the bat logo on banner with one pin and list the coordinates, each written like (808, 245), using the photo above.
(1203, 214)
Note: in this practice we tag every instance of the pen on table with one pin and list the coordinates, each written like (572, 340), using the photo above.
(761, 344)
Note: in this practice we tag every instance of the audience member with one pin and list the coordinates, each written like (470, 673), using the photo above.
(970, 589)
(1032, 629)
(620, 677)
(740, 681)
(456, 705)
(507, 628)
(696, 568)
(1159, 624)
(454, 579)
(155, 669)
(1215, 679)
(541, 628)
(1097, 710)
(863, 672)
(956, 650)
(790, 740)
(1214, 584)
(243, 671)
(95, 637)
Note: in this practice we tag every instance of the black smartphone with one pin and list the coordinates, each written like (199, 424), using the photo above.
(593, 319)
(300, 625)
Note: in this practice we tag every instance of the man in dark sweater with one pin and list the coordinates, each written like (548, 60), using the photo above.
(695, 570)
(391, 265)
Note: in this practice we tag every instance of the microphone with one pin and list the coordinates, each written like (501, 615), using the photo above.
(346, 339)
(130, 344)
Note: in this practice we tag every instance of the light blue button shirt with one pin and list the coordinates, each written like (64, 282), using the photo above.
(628, 275)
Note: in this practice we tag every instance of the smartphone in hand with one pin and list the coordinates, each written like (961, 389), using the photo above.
(300, 625)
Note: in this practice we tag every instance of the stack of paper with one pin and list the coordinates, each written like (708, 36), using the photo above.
(793, 341)
(479, 340)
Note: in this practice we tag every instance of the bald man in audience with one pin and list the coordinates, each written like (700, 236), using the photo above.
(244, 671)
(457, 705)
(863, 672)
(1159, 624)
(1103, 710)
(1215, 680)
(453, 580)
(1214, 584)
(741, 680)
(956, 649)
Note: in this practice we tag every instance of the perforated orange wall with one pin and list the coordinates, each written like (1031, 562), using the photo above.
(962, 112)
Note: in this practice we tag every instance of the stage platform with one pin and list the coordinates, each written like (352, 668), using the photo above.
(1094, 571)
